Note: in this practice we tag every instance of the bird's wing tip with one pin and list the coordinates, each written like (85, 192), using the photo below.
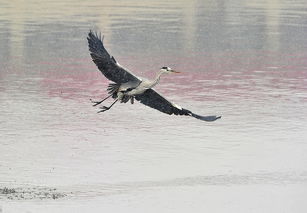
(93, 33)
(206, 118)
(212, 118)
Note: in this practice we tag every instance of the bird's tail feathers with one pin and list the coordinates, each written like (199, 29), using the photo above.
(113, 89)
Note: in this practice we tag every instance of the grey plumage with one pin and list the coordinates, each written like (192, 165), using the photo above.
(127, 86)
(106, 63)
(154, 100)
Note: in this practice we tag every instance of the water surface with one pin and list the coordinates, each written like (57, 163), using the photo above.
(246, 61)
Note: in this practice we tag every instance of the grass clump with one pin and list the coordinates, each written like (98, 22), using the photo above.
(6, 191)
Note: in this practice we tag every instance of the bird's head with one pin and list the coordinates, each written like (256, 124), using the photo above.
(168, 70)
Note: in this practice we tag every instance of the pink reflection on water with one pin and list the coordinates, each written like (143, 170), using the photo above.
(72, 81)
(215, 77)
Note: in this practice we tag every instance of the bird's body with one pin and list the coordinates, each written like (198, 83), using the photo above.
(127, 86)
(134, 88)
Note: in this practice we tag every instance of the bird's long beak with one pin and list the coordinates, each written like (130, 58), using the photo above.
(174, 71)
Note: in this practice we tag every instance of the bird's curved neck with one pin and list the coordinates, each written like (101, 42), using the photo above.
(156, 79)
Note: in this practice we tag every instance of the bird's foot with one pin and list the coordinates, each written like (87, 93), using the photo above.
(95, 103)
(104, 108)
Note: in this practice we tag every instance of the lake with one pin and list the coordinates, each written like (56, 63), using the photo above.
(245, 61)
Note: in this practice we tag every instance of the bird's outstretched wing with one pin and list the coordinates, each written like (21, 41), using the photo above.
(154, 100)
(107, 63)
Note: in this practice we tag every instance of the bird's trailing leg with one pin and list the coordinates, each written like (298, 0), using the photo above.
(105, 108)
(99, 102)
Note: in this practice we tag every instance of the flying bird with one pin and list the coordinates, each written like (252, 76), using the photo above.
(129, 87)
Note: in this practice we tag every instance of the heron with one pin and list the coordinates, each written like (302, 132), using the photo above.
(128, 87)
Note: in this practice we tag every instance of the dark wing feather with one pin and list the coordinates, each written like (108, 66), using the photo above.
(154, 100)
(107, 63)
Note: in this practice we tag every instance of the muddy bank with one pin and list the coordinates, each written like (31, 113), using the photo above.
(30, 193)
